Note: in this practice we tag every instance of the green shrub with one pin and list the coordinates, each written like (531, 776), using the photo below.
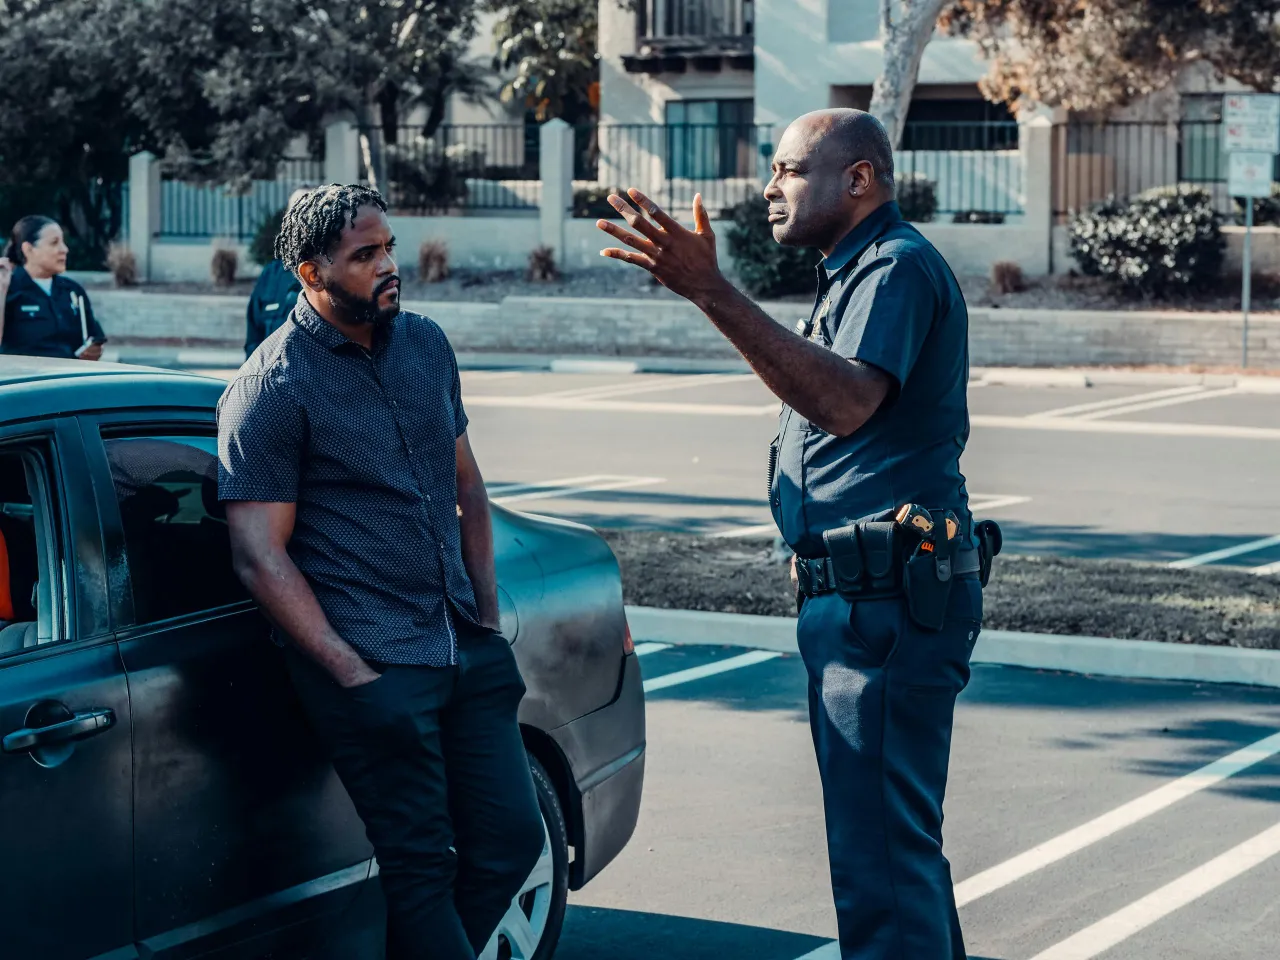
(1266, 210)
(917, 197)
(1165, 241)
(262, 248)
(766, 268)
(424, 177)
(593, 203)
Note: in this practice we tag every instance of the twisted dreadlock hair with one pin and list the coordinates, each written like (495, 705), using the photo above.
(314, 222)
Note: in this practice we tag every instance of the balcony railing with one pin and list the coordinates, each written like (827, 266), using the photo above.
(695, 19)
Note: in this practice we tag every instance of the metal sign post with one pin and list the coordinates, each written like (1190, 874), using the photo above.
(1251, 138)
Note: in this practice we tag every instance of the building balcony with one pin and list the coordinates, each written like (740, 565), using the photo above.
(674, 36)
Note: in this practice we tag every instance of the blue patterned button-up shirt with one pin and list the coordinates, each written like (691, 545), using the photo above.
(365, 444)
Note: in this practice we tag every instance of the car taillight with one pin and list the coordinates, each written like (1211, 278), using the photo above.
(628, 646)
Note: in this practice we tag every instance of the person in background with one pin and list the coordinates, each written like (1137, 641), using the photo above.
(46, 314)
(273, 297)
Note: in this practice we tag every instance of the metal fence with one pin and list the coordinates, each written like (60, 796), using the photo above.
(204, 210)
(1093, 161)
(677, 19)
(454, 168)
(975, 167)
(726, 163)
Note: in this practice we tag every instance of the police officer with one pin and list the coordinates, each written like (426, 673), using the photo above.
(273, 297)
(874, 417)
(45, 313)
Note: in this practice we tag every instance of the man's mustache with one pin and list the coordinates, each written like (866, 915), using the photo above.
(385, 285)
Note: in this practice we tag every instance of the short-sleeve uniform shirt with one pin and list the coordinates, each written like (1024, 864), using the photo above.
(364, 443)
(886, 298)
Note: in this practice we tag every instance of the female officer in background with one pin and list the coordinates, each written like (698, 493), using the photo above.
(45, 313)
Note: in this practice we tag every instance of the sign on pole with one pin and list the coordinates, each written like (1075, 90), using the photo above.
(1251, 137)
(1249, 174)
(1251, 122)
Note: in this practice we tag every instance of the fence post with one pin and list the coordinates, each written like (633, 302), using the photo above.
(341, 152)
(555, 170)
(1035, 144)
(144, 208)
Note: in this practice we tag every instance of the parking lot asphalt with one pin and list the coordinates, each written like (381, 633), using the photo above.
(1153, 473)
(1085, 817)
(1162, 473)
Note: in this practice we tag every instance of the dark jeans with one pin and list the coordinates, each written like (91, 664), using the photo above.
(882, 696)
(433, 761)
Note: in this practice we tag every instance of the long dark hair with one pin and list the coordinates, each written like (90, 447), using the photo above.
(26, 230)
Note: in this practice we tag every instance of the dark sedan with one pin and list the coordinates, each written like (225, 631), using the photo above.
(160, 792)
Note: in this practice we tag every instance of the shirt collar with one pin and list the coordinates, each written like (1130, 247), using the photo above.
(305, 316)
(858, 239)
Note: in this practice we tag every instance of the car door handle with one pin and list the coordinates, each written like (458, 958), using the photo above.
(82, 725)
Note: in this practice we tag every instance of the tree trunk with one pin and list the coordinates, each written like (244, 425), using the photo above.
(906, 26)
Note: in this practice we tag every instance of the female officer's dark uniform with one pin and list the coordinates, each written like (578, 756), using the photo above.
(39, 324)
(273, 297)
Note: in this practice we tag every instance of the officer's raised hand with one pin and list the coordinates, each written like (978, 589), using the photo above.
(682, 260)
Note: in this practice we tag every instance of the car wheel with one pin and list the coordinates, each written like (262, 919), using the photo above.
(530, 929)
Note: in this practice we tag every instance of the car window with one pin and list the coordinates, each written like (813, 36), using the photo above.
(29, 578)
(175, 530)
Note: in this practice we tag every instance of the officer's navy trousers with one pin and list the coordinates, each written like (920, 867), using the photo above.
(882, 696)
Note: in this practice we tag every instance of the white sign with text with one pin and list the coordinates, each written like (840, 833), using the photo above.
(1249, 174)
(1251, 122)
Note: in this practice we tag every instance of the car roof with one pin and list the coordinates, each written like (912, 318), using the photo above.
(34, 387)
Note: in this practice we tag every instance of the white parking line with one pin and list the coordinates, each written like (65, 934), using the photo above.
(757, 530)
(1226, 553)
(828, 951)
(1267, 569)
(573, 487)
(994, 502)
(652, 385)
(626, 406)
(644, 649)
(1157, 404)
(709, 669)
(488, 375)
(1099, 828)
(1140, 914)
(1146, 428)
(1116, 402)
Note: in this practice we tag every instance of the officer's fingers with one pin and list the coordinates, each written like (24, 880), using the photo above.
(626, 256)
(701, 221)
(630, 239)
(635, 219)
(660, 216)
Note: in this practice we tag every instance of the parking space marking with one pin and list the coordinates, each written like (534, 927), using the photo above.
(626, 406)
(644, 649)
(1267, 569)
(828, 951)
(1226, 553)
(1117, 402)
(1146, 428)
(709, 669)
(474, 375)
(571, 487)
(1140, 914)
(1157, 404)
(684, 382)
(994, 501)
(1099, 828)
(756, 530)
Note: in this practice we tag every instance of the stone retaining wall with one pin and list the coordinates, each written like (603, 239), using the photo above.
(609, 327)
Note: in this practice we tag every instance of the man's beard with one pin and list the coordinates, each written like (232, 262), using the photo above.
(359, 310)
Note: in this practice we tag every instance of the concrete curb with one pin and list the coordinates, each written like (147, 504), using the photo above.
(1098, 656)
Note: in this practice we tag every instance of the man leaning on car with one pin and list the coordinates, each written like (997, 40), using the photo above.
(360, 524)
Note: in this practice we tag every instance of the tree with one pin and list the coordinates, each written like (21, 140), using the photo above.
(906, 26)
(1098, 54)
(550, 47)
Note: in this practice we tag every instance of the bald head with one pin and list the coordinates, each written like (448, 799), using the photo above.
(831, 169)
(843, 137)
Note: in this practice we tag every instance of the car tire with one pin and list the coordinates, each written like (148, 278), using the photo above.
(543, 906)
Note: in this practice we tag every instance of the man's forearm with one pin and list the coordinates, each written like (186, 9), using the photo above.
(477, 550)
(822, 387)
(288, 601)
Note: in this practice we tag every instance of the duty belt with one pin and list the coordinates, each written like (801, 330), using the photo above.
(818, 576)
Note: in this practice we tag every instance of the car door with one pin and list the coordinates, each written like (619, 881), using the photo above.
(245, 841)
(66, 818)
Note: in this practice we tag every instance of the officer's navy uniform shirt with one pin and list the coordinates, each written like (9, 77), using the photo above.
(39, 324)
(273, 297)
(887, 298)
(364, 444)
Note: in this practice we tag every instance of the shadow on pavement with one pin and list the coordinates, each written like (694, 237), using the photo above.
(593, 933)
